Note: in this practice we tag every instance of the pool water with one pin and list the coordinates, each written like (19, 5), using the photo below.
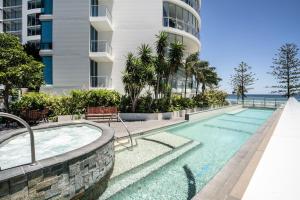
(48, 143)
(221, 137)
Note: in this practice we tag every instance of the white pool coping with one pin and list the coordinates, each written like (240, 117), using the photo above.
(277, 176)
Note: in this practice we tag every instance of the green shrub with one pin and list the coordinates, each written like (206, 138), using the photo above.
(103, 98)
(32, 101)
(211, 98)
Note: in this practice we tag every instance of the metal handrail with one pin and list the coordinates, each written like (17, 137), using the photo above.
(2, 114)
(129, 134)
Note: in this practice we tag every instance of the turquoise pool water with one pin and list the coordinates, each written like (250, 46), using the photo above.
(220, 137)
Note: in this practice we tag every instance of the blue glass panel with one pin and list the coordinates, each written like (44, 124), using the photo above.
(48, 71)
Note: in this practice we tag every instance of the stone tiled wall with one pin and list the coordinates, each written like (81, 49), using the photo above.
(81, 178)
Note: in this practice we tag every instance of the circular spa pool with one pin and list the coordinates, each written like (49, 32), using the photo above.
(48, 143)
(74, 160)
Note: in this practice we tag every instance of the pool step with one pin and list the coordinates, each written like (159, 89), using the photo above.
(122, 181)
(236, 111)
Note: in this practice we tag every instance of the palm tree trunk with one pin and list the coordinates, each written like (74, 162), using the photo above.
(203, 87)
(185, 85)
(197, 88)
(6, 98)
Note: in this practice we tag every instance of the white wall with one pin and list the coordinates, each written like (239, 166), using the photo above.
(134, 22)
(71, 35)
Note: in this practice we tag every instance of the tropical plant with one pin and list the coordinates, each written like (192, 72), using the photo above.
(160, 60)
(17, 69)
(205, 75)
(286, 70)
(175, 59)
(136, 76)
(242, 79)
(189, 64)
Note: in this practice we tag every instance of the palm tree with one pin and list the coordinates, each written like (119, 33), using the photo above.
(160, 61)
(190, 61)
(174, 59)
(205, 75)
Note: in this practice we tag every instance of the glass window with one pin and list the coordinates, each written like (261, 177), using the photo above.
(172, 10)
(166, 9)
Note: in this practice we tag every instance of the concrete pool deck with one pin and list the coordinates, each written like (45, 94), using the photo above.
(277, 175)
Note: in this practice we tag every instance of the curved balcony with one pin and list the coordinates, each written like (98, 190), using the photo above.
(101, 18)
(193, 3)
(101, 51)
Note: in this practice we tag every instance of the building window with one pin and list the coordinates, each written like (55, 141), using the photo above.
(48, 71)
(177, 17)
(94, 73)
(33, 4)
(46, 36)
(33, 19)
(7, 3)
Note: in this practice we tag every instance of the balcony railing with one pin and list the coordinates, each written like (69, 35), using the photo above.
(100, 82)
(46, 46)
(181, 25)
(100, 46)
(100, 11)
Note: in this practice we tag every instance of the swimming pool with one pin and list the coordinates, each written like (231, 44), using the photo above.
(221, 137)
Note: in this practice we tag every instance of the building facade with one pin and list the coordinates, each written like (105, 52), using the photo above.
(84, 43)
(21, 18)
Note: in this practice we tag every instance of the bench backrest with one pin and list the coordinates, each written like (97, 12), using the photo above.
(102, 110)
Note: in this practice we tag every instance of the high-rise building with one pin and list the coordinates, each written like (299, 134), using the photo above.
(84, 42)
(21, 18)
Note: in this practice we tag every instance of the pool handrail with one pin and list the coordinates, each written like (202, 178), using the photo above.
(129, 134)
(24, 123)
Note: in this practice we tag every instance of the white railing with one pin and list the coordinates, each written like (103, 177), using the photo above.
(100, 11)
(100, 82)
(264, 102)
(100, 46)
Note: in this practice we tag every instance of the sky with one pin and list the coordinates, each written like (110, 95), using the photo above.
(252, 31)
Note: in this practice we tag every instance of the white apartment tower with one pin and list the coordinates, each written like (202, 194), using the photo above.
(84, 42)
(21, 18)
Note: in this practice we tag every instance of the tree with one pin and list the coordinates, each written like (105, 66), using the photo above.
(286, 70)
(136, 76)
(205, 75)
(32, 50)
(174, 60)
(17, 69)
(242, 79)
(190, 61)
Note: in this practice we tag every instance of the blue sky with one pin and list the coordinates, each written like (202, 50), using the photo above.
(250, 31)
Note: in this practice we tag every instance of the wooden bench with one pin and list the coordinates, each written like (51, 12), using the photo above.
(101, 113)
(35, 116)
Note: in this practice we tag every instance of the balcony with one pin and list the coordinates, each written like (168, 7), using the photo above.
(46, 49)
(100, 82)
(100, 18)
(100, 51)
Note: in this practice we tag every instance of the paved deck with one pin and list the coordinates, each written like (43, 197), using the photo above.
(142, 126)
(278, 173)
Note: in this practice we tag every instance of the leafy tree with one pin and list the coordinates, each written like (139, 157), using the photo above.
(136, 76)
(32, 50)
(17, 69)
(286, 70)
(190, 61)
(242, 79)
